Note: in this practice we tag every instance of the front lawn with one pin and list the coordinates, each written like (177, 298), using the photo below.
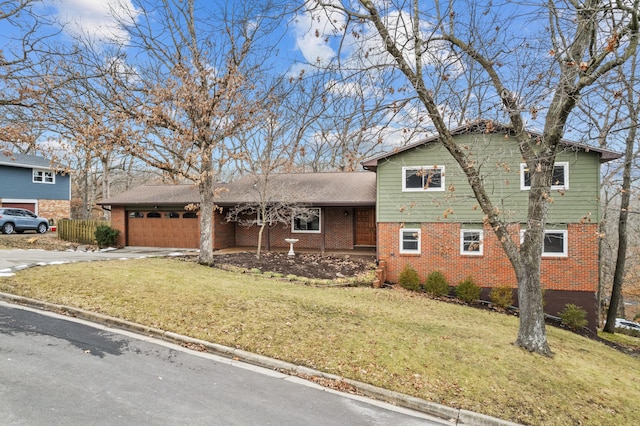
(450, 354)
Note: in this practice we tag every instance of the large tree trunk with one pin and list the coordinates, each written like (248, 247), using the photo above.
(531, 332)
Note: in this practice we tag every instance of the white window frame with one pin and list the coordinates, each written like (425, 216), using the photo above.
(305, 231)
(43, 176)
(409, 251)
(423, 189)
(565, 242)
(563, 164)
(480, 250)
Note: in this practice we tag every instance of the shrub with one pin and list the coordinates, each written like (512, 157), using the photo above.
(409, 279)
(573, 316)
(106, 236)
(468, 291)
(501, 296)
(436, 284)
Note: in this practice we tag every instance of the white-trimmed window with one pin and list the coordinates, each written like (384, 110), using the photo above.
(554, 244)
(471, 241)
(560, 178)
(43, 176)
(307, 222)
(423, 178)
(260, 219)
(410, 240)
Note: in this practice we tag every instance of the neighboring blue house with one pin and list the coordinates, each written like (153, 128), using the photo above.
(30, 182)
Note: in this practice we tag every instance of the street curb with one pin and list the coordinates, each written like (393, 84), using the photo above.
(453, 415)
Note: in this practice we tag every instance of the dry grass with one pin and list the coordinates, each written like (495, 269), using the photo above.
(441, 352)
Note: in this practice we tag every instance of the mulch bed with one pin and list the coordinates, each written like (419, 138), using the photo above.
(308, 265)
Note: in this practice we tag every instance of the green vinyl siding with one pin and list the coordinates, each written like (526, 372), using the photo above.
(498, 160)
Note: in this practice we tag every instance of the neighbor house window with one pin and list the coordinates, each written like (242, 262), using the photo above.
(308, 221)
(554, 244)
(172, 215)
(153, 215)
(471, 241)
(135, 215)
(560, 178)
(43, 176)
(190, 215)
(423, 178)
(409, 240)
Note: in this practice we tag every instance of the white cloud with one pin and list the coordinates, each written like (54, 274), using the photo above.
(313, 30)
(100, 20)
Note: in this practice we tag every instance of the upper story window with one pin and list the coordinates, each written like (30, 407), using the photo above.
(560, 178)
(471, 241)
(307, 222)
(410, 240)
(423, 178)
(43, 176)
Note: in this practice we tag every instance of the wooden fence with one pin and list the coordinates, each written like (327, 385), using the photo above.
(79, 231)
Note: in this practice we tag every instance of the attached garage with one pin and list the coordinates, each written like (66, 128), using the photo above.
(178, 229)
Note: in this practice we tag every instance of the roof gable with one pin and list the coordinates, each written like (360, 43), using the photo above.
(487, 127)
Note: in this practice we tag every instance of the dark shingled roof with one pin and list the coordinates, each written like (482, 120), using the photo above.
(480, 126)
(317, 189)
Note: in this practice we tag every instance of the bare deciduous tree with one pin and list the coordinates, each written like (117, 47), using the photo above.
(540, 75)
(190, 85)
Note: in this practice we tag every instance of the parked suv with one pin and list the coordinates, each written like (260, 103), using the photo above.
(20, 220)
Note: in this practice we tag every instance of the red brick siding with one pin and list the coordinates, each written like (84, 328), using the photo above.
(224, 233)
(337, 233)
(118, 221)
(440, 251)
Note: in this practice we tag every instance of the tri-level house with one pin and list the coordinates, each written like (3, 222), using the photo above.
(32, 183)
(417, 209)
(428, 217)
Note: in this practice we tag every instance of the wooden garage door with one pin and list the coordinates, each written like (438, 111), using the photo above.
(169, 229)
(28, 206)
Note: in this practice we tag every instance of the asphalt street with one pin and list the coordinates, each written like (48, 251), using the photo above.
(60, 371)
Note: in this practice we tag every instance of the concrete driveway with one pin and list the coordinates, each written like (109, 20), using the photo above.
(17, 259)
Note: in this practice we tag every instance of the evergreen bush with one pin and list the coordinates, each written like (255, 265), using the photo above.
(501, 296)
(436, 284)
(468, 291)
(106, 236)
(573, 316)
(409, 279)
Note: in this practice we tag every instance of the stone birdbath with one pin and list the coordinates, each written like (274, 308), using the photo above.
(291, 242)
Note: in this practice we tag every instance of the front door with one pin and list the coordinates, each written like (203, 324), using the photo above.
(365, 227)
